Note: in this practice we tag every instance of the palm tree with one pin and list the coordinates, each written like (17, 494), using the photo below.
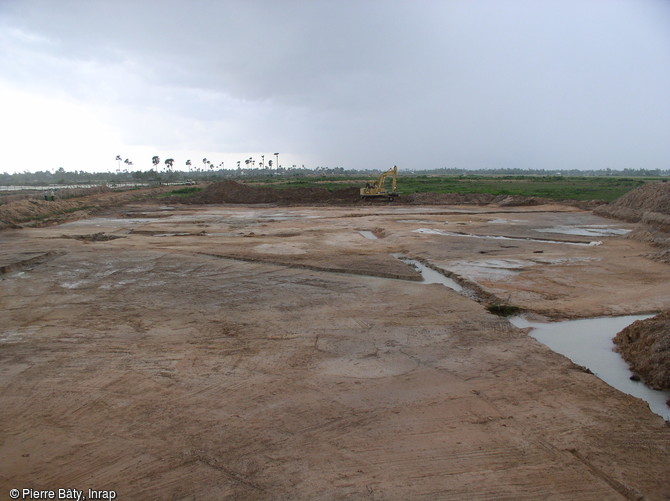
(205, 162)
(188, 164)
(118, 163)
(156, 160)
(168, 163)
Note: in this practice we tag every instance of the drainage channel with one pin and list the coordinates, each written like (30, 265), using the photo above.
(431, 276)
(588, 342)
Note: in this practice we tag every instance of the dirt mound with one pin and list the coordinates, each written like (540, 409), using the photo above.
(645, 345)
(233, 192)
(469, 199)
(648, 204)
(651, 197)
(487, 198)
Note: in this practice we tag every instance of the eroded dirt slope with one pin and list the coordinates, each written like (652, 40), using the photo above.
(645, 345)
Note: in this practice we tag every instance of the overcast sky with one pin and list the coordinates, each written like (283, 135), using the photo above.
(353, 83)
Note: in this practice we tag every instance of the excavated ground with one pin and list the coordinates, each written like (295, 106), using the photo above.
(645, 345)
(263, 352)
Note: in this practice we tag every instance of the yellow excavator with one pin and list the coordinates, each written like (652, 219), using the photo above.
(378, 191)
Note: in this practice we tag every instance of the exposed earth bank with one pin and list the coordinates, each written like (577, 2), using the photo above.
(645, 345)
(649, 204)
(38, 212)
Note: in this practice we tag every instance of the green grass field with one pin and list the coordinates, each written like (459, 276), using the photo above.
(180, 192)
(555, 187)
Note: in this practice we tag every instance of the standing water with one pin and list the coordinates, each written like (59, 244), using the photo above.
(588, 342)
(429, 275)
(368, 234)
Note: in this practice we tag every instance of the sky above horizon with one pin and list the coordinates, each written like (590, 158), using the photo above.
(531, 84)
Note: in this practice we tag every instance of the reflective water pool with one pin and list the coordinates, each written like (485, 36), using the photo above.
(588, 342)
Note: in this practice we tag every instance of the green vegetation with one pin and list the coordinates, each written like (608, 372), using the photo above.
(181, 192)
(555, 187)
(328, 182)
(605, 188)
(603, 184)
(503, 310)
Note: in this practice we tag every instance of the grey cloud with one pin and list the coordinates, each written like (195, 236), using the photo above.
(556, 84)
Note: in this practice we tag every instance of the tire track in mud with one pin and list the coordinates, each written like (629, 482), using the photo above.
(626, 492)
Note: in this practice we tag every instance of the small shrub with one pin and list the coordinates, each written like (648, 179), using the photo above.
(503, 310)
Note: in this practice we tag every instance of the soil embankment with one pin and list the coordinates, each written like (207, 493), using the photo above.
(645, 345)
(647, 204)
(36, 212)
(489, 199)
(233, 192)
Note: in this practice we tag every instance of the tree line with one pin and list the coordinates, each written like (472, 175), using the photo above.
(213, 172)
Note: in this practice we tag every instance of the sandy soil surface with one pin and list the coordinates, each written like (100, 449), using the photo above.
(259, 352)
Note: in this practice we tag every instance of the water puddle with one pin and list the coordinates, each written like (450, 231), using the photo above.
(506, 221)
(430, 231)
(105, 221)
(74, 285)
(419, 221)
(280, 216)
(588, 342)
(487, 269)
(490, 268)
(368, 234)
(601, 230)
(429, 275)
